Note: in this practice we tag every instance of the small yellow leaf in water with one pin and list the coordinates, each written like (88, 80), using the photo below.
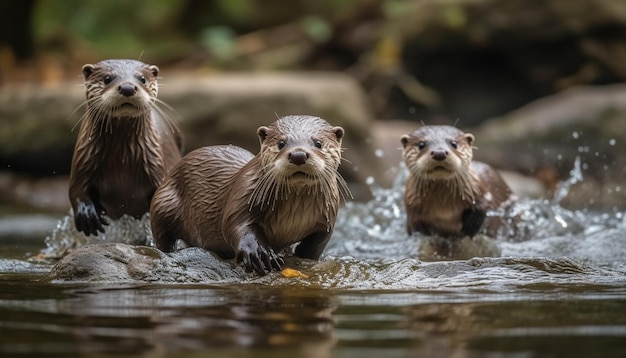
(291, 273)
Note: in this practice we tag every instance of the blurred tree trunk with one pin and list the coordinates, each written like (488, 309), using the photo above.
(15, 27)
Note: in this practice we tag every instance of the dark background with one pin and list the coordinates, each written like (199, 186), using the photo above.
(422, 60)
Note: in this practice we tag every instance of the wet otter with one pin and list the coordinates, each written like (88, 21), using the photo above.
(228, 201)
(125, 145)
(448, 194)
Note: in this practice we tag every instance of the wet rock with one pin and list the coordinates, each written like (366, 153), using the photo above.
(116, 262)
(106, 262)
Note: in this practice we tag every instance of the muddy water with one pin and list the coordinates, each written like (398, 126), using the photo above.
(558, 290)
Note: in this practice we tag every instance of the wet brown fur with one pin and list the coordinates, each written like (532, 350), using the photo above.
(250, 207)
(447, 194)
(125, 145)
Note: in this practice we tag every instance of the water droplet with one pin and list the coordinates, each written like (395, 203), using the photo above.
(370, 180)
(612, 141)
(379, 153)
(575, 135)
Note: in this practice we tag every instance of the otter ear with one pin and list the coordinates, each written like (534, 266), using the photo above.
(154, 69)
(88, 70)
(339, 132)
(469, 138)
(405, 140)
(262, 133)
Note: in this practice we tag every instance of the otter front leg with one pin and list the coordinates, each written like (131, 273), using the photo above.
(473, 220)
(313, 245)
(89, 216)
(254, 253)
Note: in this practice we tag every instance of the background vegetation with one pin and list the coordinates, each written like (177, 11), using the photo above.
(418, 59)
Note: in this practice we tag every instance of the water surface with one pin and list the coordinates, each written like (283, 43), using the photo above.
(559, 290)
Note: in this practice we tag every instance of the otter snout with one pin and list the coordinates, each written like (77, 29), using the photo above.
(127, 89)
(298, 157)
(439, 154)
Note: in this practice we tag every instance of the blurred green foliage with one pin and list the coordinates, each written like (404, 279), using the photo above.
(106, 27)
(171, 28)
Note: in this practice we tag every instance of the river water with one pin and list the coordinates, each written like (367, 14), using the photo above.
(558, 290)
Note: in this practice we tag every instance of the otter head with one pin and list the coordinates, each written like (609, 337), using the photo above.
(437, 152)
(120, 88)
(300, 150)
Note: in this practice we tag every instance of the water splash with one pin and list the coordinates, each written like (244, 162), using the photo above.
(575, 176)
(126, 230)
(376, 229)
(370, 249)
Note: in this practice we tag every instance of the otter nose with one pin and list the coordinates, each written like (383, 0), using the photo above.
(127, 89)
(439, 154)
(298, 157)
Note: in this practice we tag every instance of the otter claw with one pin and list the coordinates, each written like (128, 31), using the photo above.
(88, 220)
(255, 257)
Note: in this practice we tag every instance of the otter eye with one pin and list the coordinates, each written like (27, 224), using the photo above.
(142, 79)
(107, 79)
(421, 145)
(281, 144)
(454, 144)
(318, 143)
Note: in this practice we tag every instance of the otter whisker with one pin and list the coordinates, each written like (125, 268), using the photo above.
(82, 105)
(156, 104)
(343, 187)
(265, 185)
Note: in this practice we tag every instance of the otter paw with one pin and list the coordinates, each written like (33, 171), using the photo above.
(88, 219)
(255, 257)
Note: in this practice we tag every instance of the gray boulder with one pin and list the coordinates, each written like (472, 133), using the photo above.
(545, 138)
(36, 122)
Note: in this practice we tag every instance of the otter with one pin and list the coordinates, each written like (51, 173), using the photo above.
(447, 193)
(250, 207)
(125, 145)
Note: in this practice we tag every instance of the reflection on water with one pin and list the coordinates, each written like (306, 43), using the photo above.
(70, 320)
(84, 319)
(558, 291)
